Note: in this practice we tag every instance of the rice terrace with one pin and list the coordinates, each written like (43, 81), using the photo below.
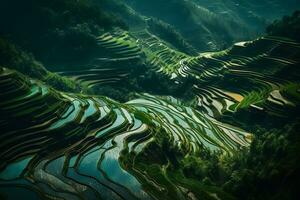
(140, 99)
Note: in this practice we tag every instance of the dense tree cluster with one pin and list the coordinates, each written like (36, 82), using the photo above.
(272, 164)
(15, 58)
(56, 31)
(288, 26)
(169, 34)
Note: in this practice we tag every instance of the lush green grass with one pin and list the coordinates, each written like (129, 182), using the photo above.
(254, 98)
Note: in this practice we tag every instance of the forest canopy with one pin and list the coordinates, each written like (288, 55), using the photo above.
(56, 31)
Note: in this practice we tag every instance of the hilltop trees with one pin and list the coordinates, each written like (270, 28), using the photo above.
(14, 57)
(169, 34)
(288, 26)
(56, 31)
(271, 165)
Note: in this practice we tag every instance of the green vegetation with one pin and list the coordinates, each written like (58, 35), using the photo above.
(210, 26)
(169, 34)
(202, 28)
(57, 32)
(288, 27)
(15, 58)
(106, 131)
(255, 97)
(114, 99)
(292, 92)
(270, 165)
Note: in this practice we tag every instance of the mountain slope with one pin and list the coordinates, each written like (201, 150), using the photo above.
(214, 25)
(172, 122)
(61, 138)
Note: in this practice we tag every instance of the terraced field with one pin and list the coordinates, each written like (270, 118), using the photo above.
(67, 146)
(160, 55)
(247, 75)
(255, 66)
(60, 145)
(119, 44)
(124, 50)
(102, 72)
(118, 54)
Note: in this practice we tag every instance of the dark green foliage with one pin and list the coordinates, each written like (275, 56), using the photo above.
(169, 34)
(77, 42)
(271, 165)
(119, 9)
(292, 92)
(141, 80)
(288, 26)
(15, 58)
(206, 170)
(56, 31)
(121, 94)
(163, 86)
(200, 25)
(63, 33)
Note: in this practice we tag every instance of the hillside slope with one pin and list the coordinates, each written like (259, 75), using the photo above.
(67, 145)
(211, 26)
(113, 99)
